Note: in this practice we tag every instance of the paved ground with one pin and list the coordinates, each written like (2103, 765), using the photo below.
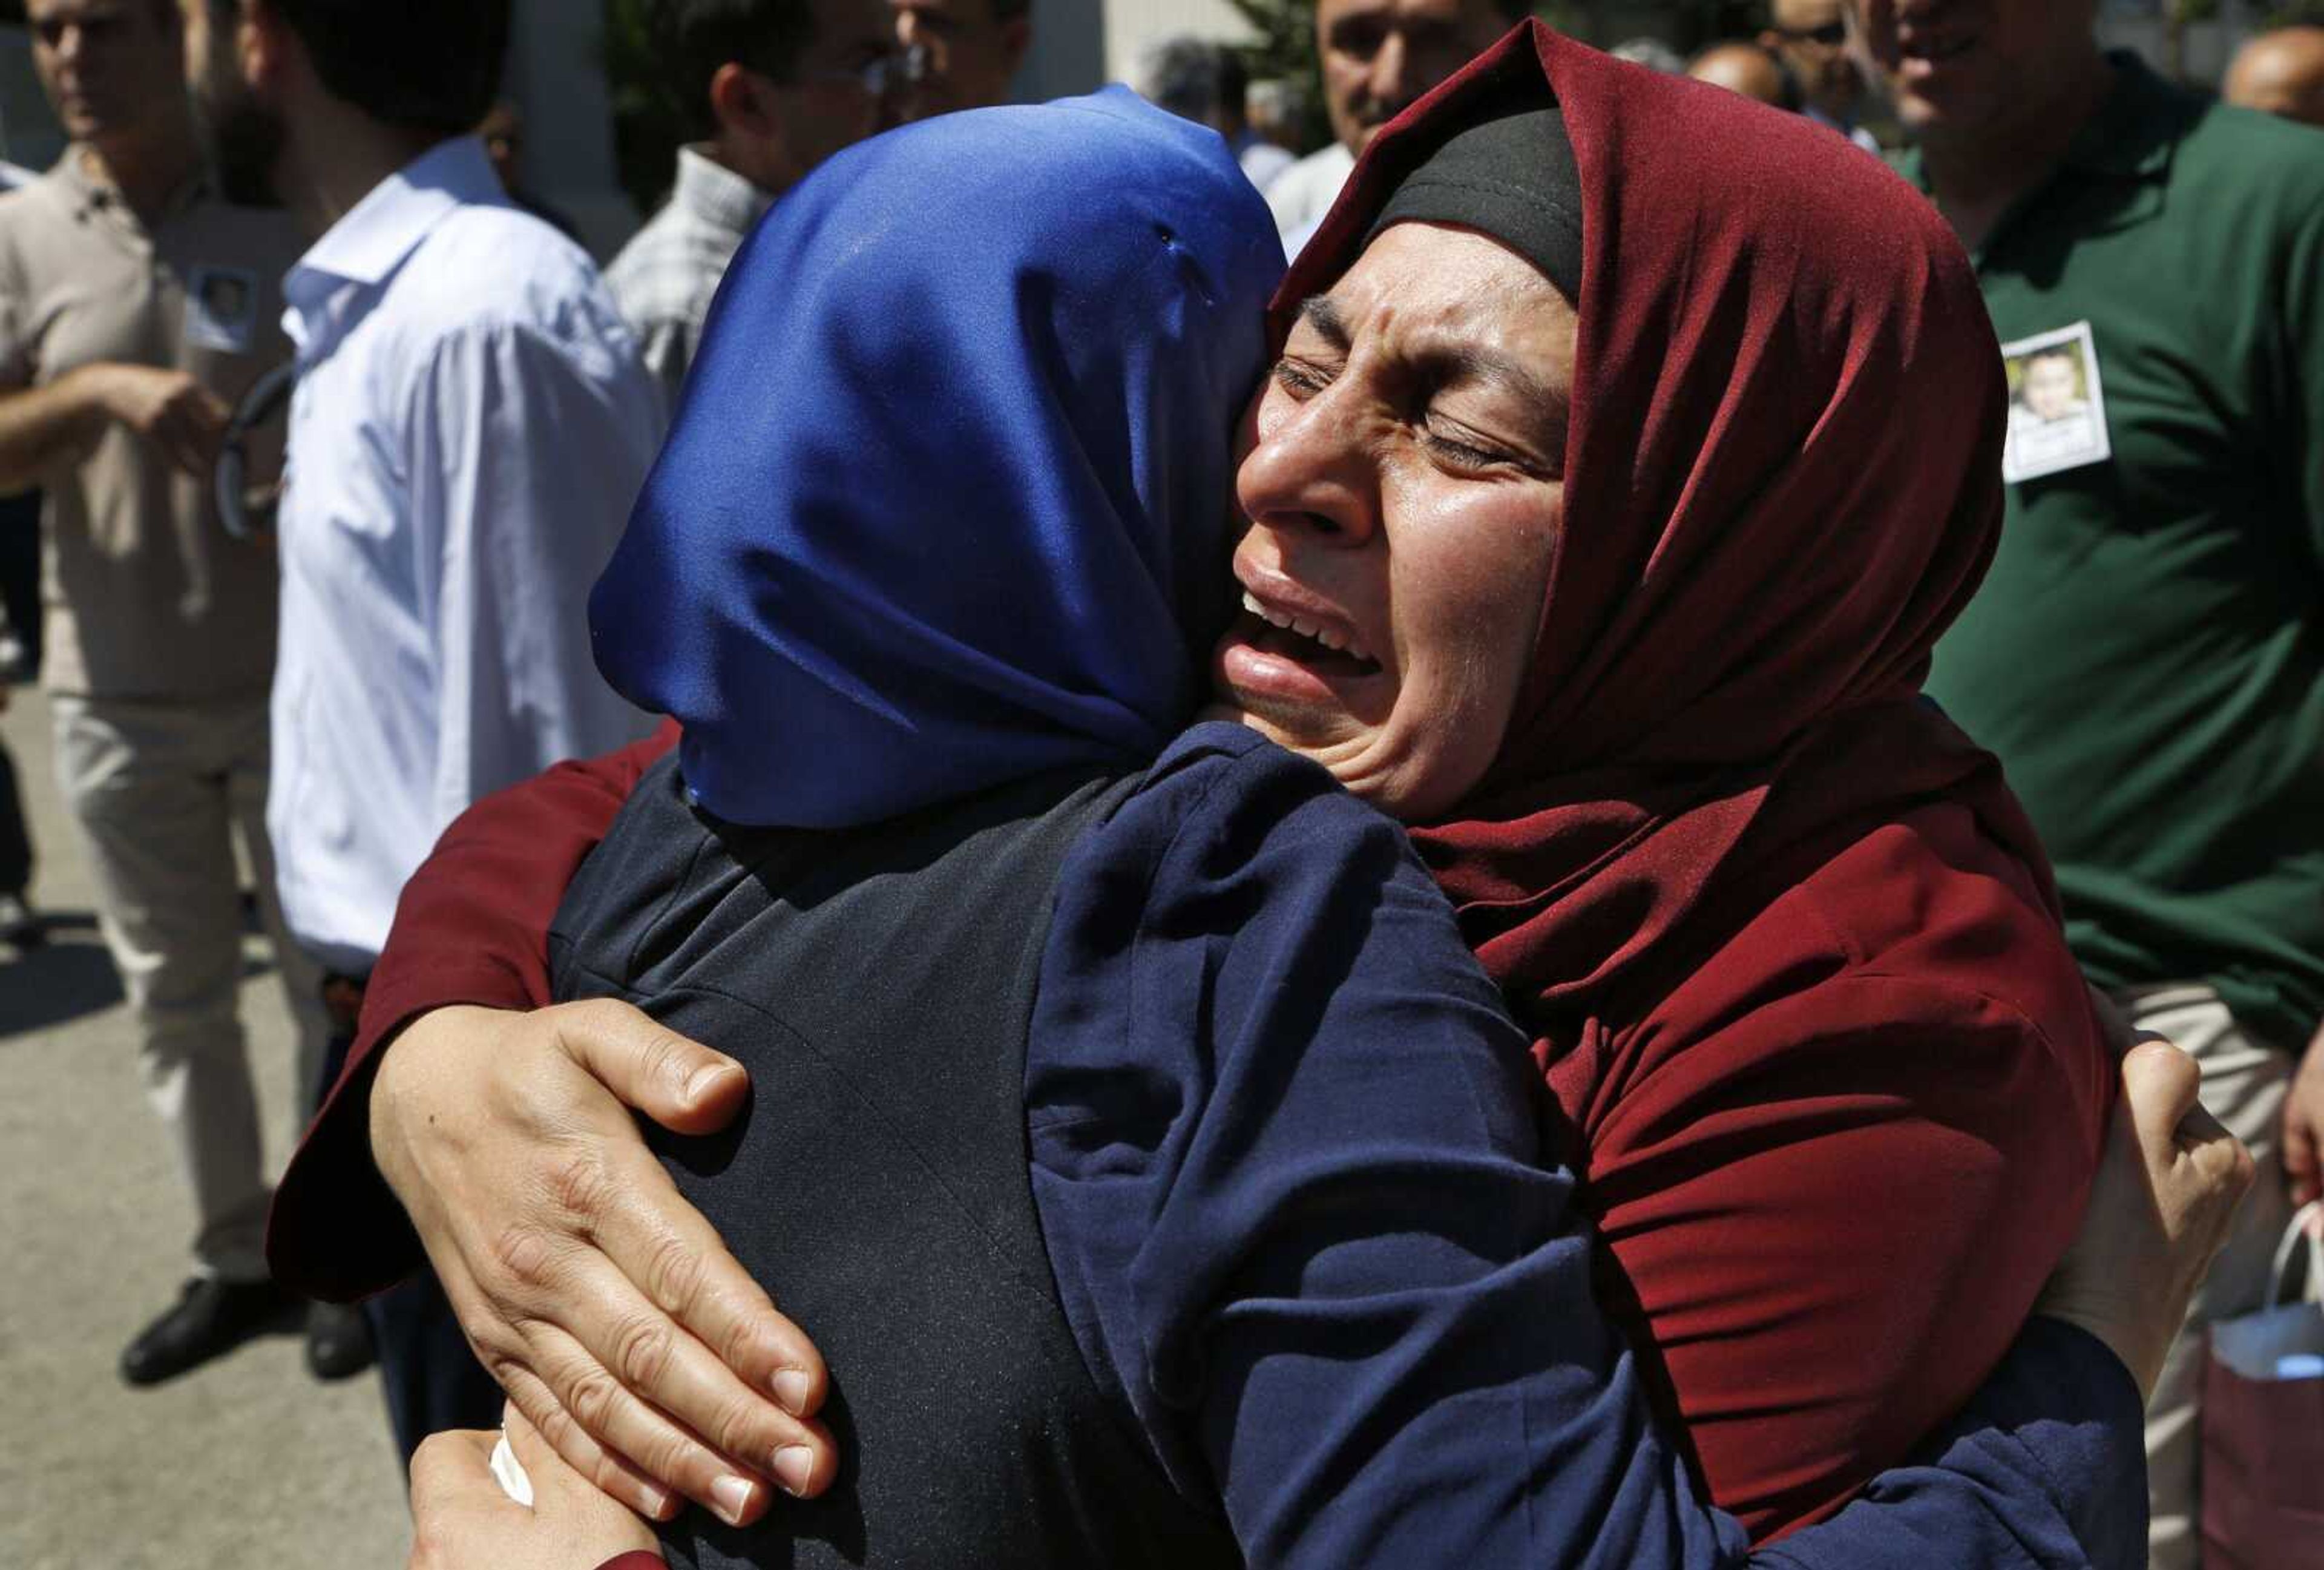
(247, 1463)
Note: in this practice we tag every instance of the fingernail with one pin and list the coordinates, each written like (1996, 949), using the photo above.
(794, 1464)
(733, 1497)
(704, 1079)
(658, 1503)
(791, 1389)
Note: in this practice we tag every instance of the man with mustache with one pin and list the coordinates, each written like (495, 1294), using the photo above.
(2179, 792)
(1377, 56)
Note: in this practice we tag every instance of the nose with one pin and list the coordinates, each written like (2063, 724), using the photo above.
(1312, 472)
(1390, 66)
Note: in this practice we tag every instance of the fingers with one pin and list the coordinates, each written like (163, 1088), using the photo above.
(625, 1426)
(546, 1468)
(681, 1085)
(189, 426)
(611, 1475)
(680, 1262)
(2304, 1133)
(645, 1388)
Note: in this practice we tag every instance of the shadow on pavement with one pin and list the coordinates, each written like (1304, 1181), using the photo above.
(62, 980)
(68, 974)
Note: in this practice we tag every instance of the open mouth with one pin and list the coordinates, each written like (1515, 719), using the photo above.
(1322, 649)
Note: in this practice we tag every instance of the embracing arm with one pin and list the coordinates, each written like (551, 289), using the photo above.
(1345, 1286)
(472, 927)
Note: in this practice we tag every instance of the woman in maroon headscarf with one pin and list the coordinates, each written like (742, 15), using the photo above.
(1598, 554)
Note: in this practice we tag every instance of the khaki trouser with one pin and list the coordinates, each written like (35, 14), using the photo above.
(157, 791)
(2243, 1085)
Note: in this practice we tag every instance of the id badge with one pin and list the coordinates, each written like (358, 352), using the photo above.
(2057, 404)
(222, 308)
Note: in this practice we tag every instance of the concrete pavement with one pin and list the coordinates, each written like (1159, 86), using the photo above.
(246, 1465)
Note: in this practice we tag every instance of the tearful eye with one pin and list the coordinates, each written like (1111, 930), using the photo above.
(1296, 377)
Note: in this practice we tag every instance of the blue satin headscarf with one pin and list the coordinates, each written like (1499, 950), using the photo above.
(945, 502)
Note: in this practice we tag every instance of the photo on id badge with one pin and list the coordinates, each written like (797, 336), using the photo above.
(222, 308)
(2057, 404)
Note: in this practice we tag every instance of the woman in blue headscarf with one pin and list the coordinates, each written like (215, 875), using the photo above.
(1156, 1169)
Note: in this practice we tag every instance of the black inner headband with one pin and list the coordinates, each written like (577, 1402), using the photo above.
(1510, 174)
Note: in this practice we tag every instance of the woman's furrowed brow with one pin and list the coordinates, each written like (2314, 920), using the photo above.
(1324, 317)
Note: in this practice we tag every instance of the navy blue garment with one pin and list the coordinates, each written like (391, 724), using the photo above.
(1288, 1154)
(945, 498)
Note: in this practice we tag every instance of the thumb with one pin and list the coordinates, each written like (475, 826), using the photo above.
(680, 1084)
(2161, 1086)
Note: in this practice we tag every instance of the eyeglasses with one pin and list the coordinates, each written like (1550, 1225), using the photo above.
(1832, 35)
(880, 76)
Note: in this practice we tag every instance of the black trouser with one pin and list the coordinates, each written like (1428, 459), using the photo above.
(15, 842)
(20, 600)
(20, 573)
(431, 1380)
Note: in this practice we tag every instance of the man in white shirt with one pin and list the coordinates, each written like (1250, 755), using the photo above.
(1377, 57)
(771, 89)
(470, 426)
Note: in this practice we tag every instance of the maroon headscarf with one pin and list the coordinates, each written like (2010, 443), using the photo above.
(1782, 483)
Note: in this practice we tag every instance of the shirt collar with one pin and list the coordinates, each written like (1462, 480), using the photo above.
(2136, 127)
(716, 194)
(372, 238)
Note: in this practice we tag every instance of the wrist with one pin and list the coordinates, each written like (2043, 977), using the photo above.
(2124, 1337)
(94, 390)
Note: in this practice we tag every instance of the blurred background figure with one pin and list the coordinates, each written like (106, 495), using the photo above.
(1748, 69)
(1377, 56)
(1809, 39)
(1276, 108)
(965, 51)
(768, 90)
(135, 305)
(1651, 53)
(470, 425)
(2146, 654)
(20, 662)
(1198, 79)
(2280, 73)
(503, 134)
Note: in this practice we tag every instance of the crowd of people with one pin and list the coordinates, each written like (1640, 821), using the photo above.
(1557, 993)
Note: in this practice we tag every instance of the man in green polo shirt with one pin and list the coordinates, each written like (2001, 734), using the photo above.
(2147, 654)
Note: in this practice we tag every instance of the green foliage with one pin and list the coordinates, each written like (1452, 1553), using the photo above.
(648, 124)
(1285, 52)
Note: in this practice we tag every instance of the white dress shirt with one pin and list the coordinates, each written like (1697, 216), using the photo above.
(1301, 196)
(470, 426)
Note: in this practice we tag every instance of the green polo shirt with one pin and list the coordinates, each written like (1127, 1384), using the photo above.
(2147, 654)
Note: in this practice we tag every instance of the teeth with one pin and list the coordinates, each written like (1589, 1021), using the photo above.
(1291, 623)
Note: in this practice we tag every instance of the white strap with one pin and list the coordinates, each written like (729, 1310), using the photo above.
(2284, 1250)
